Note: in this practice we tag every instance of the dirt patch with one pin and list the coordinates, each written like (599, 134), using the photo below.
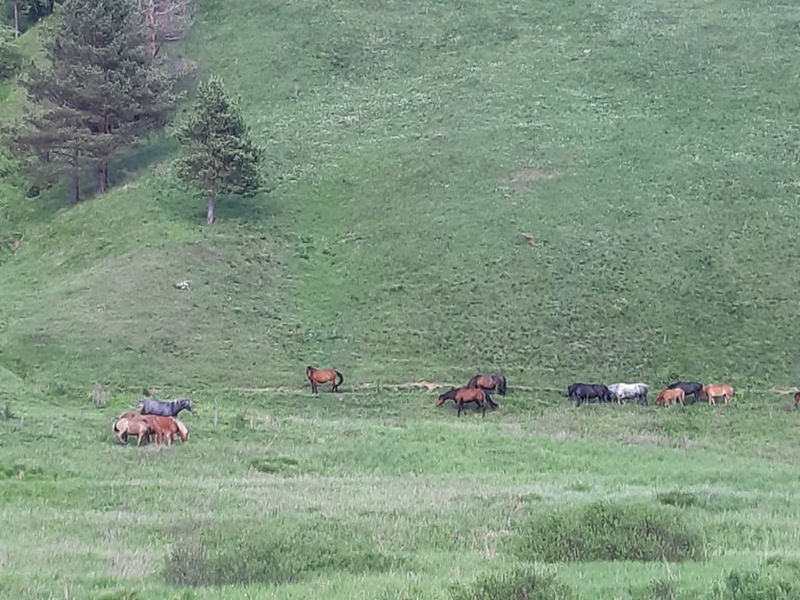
(524, 178)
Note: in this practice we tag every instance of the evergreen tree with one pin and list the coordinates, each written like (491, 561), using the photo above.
(100, 91)
(218, 155)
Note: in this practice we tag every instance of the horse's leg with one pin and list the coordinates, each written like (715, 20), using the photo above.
(459, 407)
(483, 404)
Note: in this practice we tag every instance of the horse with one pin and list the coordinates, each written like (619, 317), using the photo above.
(690, 388)
(724, 391)
(668, 396)
(316, 376)
(489, 382)
(124, 427)
(166, 428)
(151, 406)
(462, 396)
(584, 391)
(623, 391)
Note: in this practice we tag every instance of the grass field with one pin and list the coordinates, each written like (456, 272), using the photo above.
(561, 191)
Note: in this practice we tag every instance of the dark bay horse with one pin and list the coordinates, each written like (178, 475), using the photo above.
(462, 396)
(690, 388)
(583, 392)
(151, 406)
(489, 382)
(316, 376)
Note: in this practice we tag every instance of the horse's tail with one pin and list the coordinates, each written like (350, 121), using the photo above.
(341, 378)
(501, 386)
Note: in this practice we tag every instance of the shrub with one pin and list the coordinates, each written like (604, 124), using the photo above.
(678, 498)
(280, 554)
(755, 586)
(519, 584)
(604, 531)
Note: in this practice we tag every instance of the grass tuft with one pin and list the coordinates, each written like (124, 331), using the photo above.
(605, 531)
(283, 553)
(522, 583)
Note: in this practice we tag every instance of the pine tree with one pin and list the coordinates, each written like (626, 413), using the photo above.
(100, 91)
(218, 155)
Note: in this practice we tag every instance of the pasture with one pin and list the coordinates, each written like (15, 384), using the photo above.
(562, 192)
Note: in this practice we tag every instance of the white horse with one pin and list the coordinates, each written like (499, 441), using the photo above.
(624, 391)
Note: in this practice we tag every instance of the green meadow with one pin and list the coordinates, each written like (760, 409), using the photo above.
(558, 191)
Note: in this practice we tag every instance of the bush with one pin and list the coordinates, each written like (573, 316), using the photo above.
(755, 586)
(520, 584)
(678, 498)
(604, 531)
(280, 554)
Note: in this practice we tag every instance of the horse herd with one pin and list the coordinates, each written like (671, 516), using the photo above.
(674, 393)
(156, 420)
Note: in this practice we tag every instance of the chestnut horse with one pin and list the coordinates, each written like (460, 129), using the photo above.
(489, 382)
(163, 429)
(462, 396)
(316, 376)
(124, 427)
(668, 396)
(724, 391)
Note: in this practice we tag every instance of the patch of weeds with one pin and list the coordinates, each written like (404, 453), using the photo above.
(752, 585)
(578, 486)
(678, 498)
(659, 589)
(283, 465)
(100, 395)
(8, 414)
(606, 531)
(522, 583)
(280, 554)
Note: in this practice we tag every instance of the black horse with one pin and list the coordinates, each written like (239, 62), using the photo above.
(583, 392)
(689, 388)
(151, 406)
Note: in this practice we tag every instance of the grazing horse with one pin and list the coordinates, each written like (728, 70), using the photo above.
(724, 391)
(668, 396)
(166, 428)
(690, 388)
(124, 427)
(316, 376)
(582, 392)
(623, 391)
(151, 406)
(489, 382)
(462, 396)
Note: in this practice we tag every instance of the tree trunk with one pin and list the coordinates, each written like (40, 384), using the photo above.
(16, 20)
(102, 177)
(210, 213)
(76, 184)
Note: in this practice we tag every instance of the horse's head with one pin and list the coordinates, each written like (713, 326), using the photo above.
(446, 396)
(140, 405)
(189, 406)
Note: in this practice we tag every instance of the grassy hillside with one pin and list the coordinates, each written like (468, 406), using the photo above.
(561, 191)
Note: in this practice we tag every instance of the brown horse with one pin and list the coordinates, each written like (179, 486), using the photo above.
(489, 382)
(462, 396)
(316, 376)
(668, 396)
(158, 429)
(124, 427)
(723, 390)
